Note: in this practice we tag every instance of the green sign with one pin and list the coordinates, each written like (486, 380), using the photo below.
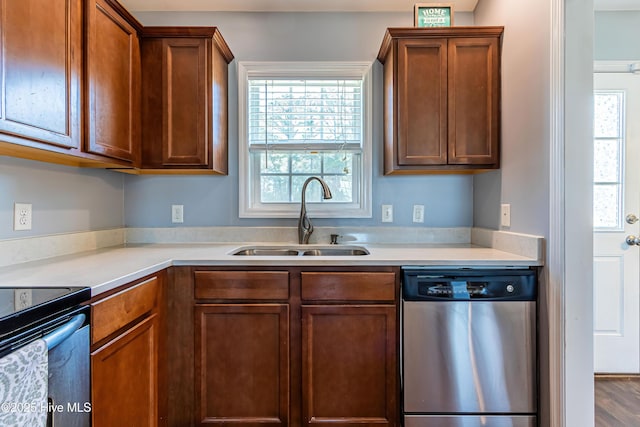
(429, 15)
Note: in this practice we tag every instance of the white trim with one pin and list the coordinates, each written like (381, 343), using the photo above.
(616, 66)
(616, 5)
(556, 248)
(249, 69)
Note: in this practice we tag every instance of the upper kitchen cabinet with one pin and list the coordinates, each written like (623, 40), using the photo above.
(184, 100)
(441, 99)
(40, 74)
(113, 82)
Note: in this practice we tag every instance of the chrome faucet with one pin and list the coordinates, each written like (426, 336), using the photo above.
(305, 228)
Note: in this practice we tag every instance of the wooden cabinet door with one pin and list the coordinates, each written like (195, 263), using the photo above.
(125, 378)
(184, 105)
(474, 106)
(422, 102)
(242, 364)
(349, 371)
(185, 122)
(40, 70)
(113, 74)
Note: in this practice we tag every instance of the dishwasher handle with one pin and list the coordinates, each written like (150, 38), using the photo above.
(56, 337)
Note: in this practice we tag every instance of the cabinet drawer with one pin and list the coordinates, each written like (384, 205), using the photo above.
(118, 310)
(244, 285)
(349, 286)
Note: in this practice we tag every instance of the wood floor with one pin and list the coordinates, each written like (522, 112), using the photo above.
(617, 401)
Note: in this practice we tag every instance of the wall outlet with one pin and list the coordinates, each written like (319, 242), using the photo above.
(505, 215)
(387, 213)
(22, 298)
(22, 214)
(177, 213)
(418, 213)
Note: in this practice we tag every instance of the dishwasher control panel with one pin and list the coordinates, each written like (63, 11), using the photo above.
(489, 285)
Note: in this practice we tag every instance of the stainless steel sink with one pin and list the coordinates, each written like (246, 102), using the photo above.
(267, 252)
(336, 252)
(301, 250)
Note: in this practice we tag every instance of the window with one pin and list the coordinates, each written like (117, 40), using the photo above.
(302, 119)
(608, 160)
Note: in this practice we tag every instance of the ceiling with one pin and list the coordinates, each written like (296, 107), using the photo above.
(323, 5)
(287, 5)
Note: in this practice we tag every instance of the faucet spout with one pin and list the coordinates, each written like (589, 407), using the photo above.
(305, 228)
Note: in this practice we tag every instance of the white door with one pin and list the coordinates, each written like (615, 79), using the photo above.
(616, 263)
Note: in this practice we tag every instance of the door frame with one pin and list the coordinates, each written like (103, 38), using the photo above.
(570, 245)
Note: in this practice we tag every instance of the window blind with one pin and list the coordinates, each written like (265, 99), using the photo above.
(320, 114)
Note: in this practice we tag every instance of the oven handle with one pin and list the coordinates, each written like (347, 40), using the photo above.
(63, 332)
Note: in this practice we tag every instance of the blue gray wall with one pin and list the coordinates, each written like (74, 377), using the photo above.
(213, 200)
(617, 35)
(64, 199)
(523, 179)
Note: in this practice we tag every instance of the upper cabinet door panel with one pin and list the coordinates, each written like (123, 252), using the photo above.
(185, 102)
(474, 107)
(422, 101)
(113, 59)
(40, 70)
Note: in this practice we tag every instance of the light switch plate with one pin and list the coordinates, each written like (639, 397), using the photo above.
(418, 213)
(505, 215)
(387, 213)
(177, 213)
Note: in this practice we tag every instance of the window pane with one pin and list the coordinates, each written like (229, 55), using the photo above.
(340, 162)
(341, 188)
(606, 160)
(607, 117)
(606, 206)
(274, 189)
(276, 163)
(306, 163)
(314, 190)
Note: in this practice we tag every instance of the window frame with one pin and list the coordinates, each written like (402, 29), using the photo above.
(621, 140)
(249, 205)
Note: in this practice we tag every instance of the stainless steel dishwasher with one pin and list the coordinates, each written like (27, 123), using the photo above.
(469, 347)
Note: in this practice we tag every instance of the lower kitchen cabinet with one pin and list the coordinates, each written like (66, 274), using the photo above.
(125, 364)
(349, 365)
(242, 348)
(125, 379)
(242, 364)
(296, 347)
(349, 349)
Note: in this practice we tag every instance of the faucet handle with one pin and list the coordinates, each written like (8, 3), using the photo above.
(334, 239)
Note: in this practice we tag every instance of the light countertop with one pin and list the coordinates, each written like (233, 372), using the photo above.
(108, 268)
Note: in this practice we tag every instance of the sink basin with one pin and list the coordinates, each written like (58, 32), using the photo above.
(301, 251)
(257, 251)
(336, 252)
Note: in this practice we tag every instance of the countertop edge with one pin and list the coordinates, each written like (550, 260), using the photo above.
(106, 269)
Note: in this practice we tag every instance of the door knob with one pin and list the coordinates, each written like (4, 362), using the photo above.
(631, 219)
(632, 240)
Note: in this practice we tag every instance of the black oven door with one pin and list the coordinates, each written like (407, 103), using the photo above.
(70, 380)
